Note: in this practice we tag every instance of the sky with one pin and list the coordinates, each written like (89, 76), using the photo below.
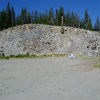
(78, 6)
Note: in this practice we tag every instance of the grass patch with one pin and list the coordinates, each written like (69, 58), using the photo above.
(96, 65)
(94, 60)
(2, 57)
(32, 56)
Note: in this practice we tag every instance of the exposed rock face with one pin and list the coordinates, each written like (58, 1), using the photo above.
(44, 39)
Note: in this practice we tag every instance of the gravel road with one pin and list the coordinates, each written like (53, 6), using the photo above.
(48, 79)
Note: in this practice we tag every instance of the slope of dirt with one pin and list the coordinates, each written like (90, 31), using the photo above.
(45, 39)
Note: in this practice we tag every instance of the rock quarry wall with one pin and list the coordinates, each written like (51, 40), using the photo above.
(39, 39)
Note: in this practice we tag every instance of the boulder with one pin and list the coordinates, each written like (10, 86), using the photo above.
(72, 56)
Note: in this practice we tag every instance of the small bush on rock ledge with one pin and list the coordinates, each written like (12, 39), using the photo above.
(62, 30)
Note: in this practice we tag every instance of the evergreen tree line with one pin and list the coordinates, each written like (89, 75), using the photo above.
(8, 18)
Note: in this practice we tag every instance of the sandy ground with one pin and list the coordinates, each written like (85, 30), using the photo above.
(48, 79)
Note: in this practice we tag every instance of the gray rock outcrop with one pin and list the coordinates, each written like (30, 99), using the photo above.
(45, 39)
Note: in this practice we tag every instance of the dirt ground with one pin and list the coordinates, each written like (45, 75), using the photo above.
(49, 79)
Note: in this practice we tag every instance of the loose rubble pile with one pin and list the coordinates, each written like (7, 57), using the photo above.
(45, 39)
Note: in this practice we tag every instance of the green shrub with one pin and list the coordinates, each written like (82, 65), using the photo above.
(62, 30)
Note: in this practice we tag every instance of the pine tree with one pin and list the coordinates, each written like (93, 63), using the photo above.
(46, 18)
(24, 17)
(77, 21)
(72, 19)
(8, 18)
(97, 25)
(56, 17)
(90, 27)
(61, 15)
(51, 17)
(87, 21)
(82, 24)
(3, 20)
(8, 12)
(12, 16)
(0, 21)
(18, 20)
(68, 19)
(35, 17)
(32, 17)
(29, 17)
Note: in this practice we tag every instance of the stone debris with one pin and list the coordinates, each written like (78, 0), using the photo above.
(45, 39)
